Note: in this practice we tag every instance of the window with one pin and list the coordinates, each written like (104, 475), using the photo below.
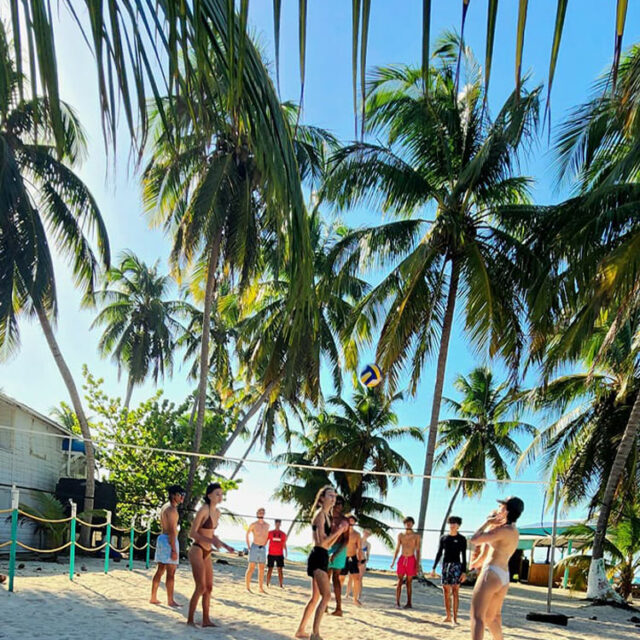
(6, 420)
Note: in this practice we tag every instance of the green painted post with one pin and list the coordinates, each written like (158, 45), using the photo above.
(565, 579)
(147, 559)
(15, 501)
(131, 536)
(72, 548)
(107, 549)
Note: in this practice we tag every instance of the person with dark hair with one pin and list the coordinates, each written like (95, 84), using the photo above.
(453, 551)
(338, 553)
(204, 538)
(318, 561)
(500, 535)
(277, 552)
(409, 549)
(167, 549)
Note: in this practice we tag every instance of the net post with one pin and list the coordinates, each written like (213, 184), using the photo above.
(107, 549)
(554, 532)
(72, 538)
(148, 550)
(131, 538)
(15, 501)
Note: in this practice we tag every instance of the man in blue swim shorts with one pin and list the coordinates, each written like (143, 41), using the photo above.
(167, 549)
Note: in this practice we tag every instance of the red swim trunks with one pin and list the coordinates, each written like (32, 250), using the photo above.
(407, 566)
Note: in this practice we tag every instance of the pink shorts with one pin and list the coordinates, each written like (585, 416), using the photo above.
(407, 566)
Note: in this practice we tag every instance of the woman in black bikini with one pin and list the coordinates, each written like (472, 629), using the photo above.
(318, 562)
(202, 534)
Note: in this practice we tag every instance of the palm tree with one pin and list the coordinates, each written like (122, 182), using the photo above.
(479, 441)
(622, 544)
(444, 153)
(43, 204)
(356, 435)
(593, 256)
(590, 409)
(214, 22)
(141, 324)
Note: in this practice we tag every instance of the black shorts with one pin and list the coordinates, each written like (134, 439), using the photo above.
(275, 561)
(318, 559)
(352, 566)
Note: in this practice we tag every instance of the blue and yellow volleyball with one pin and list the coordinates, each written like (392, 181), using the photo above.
(371, 376)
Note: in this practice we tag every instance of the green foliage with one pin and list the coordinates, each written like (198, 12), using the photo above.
(355, 435)
(47, 507)
(141, 477)
(479, 441)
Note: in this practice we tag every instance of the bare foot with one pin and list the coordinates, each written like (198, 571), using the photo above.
(357, 603)
(191, 623)
(173, 603)
(154, 601)
(302, 634)
(208, 623)
(446, 619)
(337, 612)
(262, 591)
(408, 606)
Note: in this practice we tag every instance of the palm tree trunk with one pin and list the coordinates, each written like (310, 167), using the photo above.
(243, 422)
(449, 508)
(294, 522)
(89, 491)
(598, 586)
(210, 288)
(254, 439)
(127, 399)
(447, 325)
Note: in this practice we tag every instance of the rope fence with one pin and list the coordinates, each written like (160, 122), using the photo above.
(107, 546)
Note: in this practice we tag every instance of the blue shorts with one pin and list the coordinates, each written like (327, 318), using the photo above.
(163, 550)
(258, 553)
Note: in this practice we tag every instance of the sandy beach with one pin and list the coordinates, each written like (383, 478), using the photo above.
(48, 606)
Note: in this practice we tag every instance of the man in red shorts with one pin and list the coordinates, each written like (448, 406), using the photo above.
(409, 548)
(277, 551)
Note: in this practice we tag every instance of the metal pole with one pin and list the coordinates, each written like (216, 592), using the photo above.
(72, 548)
(565, 579)
(15, 501)
(107, 549)
(554, 531)
(131, 545)
(147, 558)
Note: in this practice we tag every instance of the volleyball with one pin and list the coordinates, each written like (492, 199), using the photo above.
(371, 376)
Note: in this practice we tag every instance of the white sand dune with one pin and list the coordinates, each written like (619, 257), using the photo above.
(46, 605)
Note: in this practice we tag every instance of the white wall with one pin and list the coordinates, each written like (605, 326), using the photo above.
(28, 460)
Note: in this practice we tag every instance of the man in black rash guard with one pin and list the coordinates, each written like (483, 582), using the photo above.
(453, 551)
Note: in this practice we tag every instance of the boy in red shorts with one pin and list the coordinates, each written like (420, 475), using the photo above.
(409, 548)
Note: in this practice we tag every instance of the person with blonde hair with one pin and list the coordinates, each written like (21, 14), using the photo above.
(318, 561)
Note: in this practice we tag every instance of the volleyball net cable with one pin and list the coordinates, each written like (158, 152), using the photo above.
(104, 442)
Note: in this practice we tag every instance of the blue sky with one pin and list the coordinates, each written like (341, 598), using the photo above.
(394, 37)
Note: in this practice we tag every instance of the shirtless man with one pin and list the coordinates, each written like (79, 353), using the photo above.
(167, 549)
(500, 536)
(354, 557)
(257, 549)
(409, 548)
(338, 553)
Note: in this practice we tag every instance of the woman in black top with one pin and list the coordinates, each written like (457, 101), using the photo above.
(318, 562)
(453, 551)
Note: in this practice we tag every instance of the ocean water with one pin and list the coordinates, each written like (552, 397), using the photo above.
(379, 562)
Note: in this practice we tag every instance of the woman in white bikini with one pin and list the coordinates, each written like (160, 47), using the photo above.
(202, 534)
(318, 561)
(500, 536)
